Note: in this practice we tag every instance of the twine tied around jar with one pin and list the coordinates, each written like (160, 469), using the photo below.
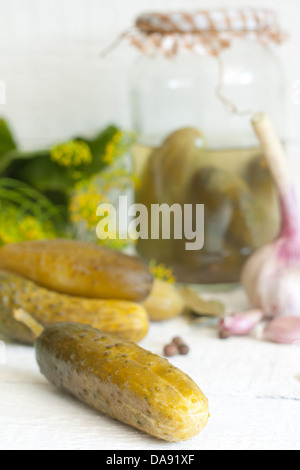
(204, 32)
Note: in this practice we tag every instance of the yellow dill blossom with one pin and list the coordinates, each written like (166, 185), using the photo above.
(15, 228)
(160, 271)
(32, 229)
(117, 178)
(74, 153)
(117, 146)
(114, 243)
(112, 149)
(83, 206)
(9, 231)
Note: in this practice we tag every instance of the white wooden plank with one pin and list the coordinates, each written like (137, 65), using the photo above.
(253, 389)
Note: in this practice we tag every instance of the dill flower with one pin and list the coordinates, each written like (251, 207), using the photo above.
(73, 153)
(117, 146)
(8, 224)
(16, 227)
(160, 271)
(33, 229)
(114, 178)
(113, 148)
(83, 205)
(114, 243)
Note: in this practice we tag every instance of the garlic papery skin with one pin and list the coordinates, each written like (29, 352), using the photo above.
(240, 324)
(271, 276)
(272, 280)
(285, 330)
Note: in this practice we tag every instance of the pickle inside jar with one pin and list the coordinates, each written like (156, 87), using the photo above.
(240, 205)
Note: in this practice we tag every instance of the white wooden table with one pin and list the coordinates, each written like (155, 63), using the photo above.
(253, 389)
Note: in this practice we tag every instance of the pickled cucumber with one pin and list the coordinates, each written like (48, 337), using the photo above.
(119, 317)
(237, 212)
(79, 268)
(166, 178)
(173, 163)
(122, 380)
(259, 179)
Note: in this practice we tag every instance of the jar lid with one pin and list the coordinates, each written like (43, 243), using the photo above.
(209, 21)
(205, 32)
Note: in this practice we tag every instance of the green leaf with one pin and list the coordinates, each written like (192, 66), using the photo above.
(43, 174)
(7, 142)
(25, 200)
(12, 160)
(38, 170)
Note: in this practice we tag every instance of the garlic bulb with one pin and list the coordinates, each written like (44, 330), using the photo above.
(271, 276)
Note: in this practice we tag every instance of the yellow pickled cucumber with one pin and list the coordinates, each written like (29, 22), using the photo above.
(164, 302)
(122, 380)
(79, 268)
(119, 317)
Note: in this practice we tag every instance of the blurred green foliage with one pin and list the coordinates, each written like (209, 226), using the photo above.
(37, 189)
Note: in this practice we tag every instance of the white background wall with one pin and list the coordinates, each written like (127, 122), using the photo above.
(56, 83)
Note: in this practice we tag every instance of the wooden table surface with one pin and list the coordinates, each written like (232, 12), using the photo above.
(253, 389)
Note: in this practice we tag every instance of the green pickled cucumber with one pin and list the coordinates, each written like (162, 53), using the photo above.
(122, 380)
(260, 182)
(172, 164)
(121, 318)
(232, 211)
(165, 181)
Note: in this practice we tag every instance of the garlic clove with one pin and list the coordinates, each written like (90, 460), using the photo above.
(240, 324)
(271, 278)
(285, 330)
(251, 273)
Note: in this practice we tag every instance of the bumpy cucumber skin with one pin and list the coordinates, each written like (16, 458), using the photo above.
(122, 380)
(79, 268)
(122, 318)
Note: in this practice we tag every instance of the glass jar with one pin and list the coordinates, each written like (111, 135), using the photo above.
(193, 94)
